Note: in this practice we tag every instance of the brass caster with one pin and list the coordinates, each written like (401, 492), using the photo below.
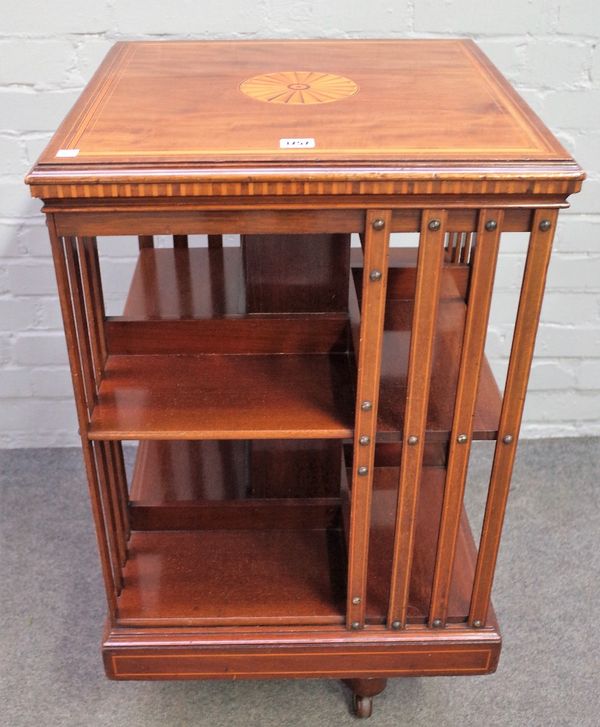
(362, 706)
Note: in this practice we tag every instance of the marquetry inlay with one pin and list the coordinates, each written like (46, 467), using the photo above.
(298, 87)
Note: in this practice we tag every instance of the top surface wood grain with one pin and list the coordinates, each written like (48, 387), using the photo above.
(174, 104)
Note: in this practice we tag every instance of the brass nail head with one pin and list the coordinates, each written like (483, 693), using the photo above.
(362, 471)
(356, 600)
(437, 623)
(462, 439)
(355, 625)
(435, 225)
(396, 625)
(491, 225)
(413, 439)
(366, 405)
(477, 624)
(364, 440)
(545, 225)
(375, 275)
(378, 224)
(507, 439)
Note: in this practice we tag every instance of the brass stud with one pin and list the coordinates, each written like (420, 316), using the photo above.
(435, 225)
(491, 225)
(545, 225)
(437, 623)
(356, 600)
(355, 625)
(366, 405)
(375, 275)
(396, 625)
(477, 624)
(378, 224)
(507, 439)
(462, 439)
(413, 439)
(364, 440)
(362, 471)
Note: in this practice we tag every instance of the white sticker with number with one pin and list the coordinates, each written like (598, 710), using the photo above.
(307, 143)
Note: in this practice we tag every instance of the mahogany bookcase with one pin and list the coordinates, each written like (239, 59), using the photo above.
(304, 408)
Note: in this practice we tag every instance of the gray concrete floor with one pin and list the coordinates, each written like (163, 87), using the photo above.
(546, 597)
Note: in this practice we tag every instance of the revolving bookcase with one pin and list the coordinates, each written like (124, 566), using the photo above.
(304, 407)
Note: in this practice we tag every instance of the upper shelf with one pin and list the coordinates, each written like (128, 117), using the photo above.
(244, 389)
(229, 118)
(224, 397)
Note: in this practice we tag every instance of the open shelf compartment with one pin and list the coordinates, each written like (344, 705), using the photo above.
(218, 539)
(283, 375)
(215, 544)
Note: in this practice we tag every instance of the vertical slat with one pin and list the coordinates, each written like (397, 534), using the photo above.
(115, 543)
(530, 303)
(145, 242)
(427, 290)
(480, 292)
(115, 500)
(94, 312)
(119, 464)
(456, 247)
(96, 278)
(180, 242)
(80, 321)
(354, 316)
(375, 265)
(464, 250)
(215, 242)
(62, 278)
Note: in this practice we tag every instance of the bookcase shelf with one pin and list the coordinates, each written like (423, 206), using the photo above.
(224, 397)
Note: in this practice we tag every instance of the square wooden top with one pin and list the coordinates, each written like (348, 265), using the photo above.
(293, 106)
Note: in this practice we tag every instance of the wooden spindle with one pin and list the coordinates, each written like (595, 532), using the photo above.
(145, 242)
(114, 530)
(427, 293)
(480, 292)
(93, 307)
(90, 381)
(180, 242)
(91, 244)
(375, 266)
(119, 463)
(215, 242)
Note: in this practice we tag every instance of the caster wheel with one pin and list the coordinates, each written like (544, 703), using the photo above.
(363, 706)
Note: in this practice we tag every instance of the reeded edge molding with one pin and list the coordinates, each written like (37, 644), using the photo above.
(558, 178)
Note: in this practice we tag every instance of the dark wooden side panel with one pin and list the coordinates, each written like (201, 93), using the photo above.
(296, 273)
(317, 513)
(243, 335)
(295, 468)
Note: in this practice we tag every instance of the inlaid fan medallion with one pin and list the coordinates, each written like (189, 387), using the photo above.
(299, 87)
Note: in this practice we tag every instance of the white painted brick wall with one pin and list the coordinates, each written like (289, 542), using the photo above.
(549, 49)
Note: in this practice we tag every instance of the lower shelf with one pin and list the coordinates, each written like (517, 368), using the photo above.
(206, 551)
(234, 577)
